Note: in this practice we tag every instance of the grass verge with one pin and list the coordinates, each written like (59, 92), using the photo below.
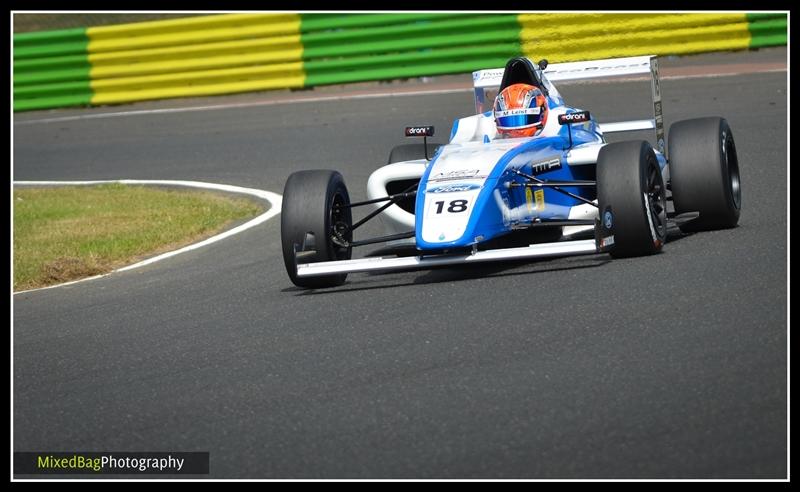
(66, 233)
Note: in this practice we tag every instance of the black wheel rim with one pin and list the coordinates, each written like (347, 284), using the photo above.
(732, 163)
(657, 201)
(340, 223)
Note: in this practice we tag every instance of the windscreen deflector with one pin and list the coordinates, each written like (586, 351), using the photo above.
(520, 70)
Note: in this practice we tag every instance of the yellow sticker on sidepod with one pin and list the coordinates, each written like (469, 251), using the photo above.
(539, 194)
(529, 198)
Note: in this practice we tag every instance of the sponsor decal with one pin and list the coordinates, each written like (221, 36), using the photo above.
(546, 165)
(606, 241)
(529, 199)
(656, 83)
(441, 237)
(577, 117)
(487, 74)
(457, 174)
(659, 118)
(608, 219)
(454, 188)
(656, 241)
(419, 131)
(539, 197)
(513, 112)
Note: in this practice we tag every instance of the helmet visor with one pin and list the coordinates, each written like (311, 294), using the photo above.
(511, 119)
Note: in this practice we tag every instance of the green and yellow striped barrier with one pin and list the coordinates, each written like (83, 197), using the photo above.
(229, 53)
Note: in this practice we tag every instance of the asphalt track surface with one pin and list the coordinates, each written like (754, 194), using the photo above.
(671, 366)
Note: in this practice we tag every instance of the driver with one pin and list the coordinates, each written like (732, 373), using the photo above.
(520, 110)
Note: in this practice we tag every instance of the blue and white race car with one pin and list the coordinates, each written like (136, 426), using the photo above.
(486, 197)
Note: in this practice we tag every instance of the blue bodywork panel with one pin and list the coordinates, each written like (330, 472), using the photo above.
(491, 206)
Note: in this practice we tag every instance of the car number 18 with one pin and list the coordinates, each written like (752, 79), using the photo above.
(453, 207)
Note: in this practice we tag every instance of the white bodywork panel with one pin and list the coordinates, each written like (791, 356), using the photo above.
(628, 126)
(612, 67)
(457, 176)
(395, 219)
(474, 129)
(580, 212)
(555, 72)
(583, 154)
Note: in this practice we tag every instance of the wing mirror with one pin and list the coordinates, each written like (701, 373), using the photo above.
(421, 131)
(569, 118)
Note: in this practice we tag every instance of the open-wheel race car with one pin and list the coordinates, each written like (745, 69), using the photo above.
(492, 195)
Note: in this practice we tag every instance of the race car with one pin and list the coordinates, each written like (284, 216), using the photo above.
(485, 197)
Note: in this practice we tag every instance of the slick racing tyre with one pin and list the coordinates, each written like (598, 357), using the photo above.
(311, 216)
(410, 152)
(704, 173)
(632, 198)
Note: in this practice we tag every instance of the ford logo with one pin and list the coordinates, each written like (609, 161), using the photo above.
(608, 219)
(454, 188)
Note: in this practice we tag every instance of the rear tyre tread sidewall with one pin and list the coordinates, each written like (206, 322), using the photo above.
(702, 165)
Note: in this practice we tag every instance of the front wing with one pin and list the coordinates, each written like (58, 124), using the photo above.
(382, 264)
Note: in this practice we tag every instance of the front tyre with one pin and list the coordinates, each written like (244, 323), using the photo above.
(312, 214)
(632, 198)
(704, 173)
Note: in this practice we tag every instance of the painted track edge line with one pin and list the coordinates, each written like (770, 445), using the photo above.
(344, 97)
(244, 105)
(275, 200)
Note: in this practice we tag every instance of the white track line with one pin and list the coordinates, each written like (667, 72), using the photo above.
(274, 199)
(242, 105)
(422, 92)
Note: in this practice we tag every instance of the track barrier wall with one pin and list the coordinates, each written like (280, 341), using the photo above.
(231, 53)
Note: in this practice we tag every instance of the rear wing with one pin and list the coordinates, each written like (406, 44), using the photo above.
(487, 82)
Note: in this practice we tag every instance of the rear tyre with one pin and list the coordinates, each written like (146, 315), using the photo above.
(704, 173)
(632, 198)
(410, 152)
(310, 214)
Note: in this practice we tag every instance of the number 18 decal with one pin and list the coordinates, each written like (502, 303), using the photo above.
(453, 207)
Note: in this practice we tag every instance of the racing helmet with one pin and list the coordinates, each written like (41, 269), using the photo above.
(520, 110)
